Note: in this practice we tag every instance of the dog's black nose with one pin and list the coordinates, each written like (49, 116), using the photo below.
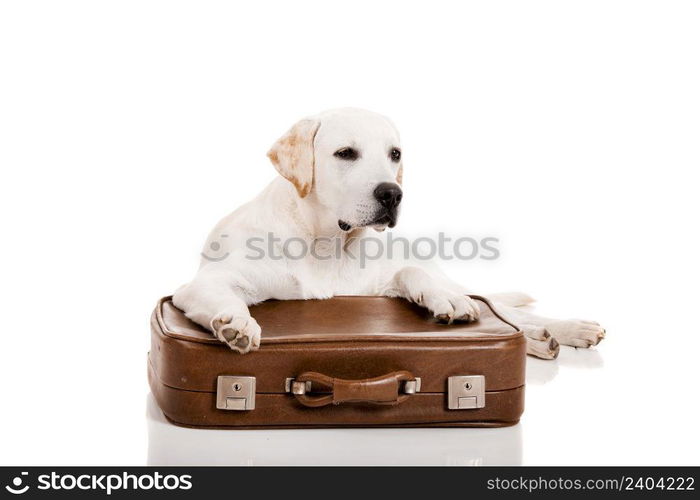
(388, 194)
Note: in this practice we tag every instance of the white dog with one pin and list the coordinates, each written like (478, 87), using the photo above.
(340, 175)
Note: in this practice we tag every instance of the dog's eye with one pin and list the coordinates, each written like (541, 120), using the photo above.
(346, 154)
(395, 154)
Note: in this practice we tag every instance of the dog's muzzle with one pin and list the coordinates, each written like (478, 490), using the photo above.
(389, 196)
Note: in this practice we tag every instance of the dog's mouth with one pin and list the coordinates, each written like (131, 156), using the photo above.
(383, 218)
(387, 218)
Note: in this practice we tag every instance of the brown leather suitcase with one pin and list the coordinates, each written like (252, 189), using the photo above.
(345, 361)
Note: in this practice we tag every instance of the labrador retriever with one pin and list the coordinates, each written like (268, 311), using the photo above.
(340, 177)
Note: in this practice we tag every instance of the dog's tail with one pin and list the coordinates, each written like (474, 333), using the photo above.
(513, 299)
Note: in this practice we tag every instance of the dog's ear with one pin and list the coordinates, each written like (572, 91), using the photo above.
(293, 155)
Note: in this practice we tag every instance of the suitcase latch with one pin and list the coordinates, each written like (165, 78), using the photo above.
(235, 393)
(466, 392)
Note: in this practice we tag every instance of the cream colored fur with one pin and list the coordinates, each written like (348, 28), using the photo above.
(314, 192)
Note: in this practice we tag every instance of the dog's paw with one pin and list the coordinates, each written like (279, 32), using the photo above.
(448, 307)
(576, 332)
(544, 349)
(240, 333)
(535, 332)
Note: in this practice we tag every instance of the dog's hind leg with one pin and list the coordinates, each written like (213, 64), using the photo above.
(216, 302)
(573, 332)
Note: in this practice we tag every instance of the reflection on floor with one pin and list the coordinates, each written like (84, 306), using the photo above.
(540, 371)
(172, 445)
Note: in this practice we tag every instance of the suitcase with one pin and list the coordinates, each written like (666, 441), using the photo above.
(344, 361)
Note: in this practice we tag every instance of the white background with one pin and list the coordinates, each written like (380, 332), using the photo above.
(569, 130)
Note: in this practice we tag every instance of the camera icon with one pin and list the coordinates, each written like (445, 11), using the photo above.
(17, 483)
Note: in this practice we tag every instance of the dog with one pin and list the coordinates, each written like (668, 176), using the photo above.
(340, 176)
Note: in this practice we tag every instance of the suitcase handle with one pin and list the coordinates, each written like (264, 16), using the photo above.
(384, 390)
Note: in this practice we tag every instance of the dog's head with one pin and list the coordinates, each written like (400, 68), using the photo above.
(349, 162)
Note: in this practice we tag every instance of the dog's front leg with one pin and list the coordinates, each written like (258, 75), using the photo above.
(439, 296)
(214, 300)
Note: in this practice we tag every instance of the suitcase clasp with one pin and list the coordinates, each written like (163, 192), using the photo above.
(235, 393)
(466, 392)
